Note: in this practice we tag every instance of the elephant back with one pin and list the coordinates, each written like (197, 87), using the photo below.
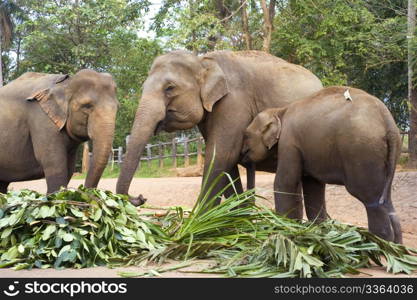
(30, 83)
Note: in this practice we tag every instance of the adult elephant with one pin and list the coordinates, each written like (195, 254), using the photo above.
(221, 92)
(45, 117)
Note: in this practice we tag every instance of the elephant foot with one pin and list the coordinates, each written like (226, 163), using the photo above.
(138, 200)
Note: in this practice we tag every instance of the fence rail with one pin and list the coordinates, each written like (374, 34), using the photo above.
(176, 148)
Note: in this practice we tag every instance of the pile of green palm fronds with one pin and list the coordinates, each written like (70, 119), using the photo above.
(87, 227)
(254, 242)
(71, 228)
(247, 240)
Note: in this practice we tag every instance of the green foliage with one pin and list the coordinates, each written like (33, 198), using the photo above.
(250, 241)
(354, 42)
(197, 26)
(72, 229)
(69, 35)
(349, 42)
(87, 227)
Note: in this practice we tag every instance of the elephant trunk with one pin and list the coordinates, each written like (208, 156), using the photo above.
(101, 132)
(149, 114)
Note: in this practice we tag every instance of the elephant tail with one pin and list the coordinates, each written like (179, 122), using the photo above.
(394, 149)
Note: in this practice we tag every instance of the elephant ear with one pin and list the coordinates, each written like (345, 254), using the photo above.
(271, 131)
(48, 100)
(214, 84)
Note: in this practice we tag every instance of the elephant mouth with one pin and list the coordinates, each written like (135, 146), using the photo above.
(159, 127)
(244, 157)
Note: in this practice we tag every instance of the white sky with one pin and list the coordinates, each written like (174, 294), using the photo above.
(153, 10)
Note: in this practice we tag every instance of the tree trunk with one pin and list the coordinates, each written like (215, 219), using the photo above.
(18, 50)
(412, 89)
(269, 14)
(245, 26)
(193, 33)
(1, 65)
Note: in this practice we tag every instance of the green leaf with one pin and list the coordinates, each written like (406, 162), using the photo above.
(21, 249)
(6, 232)
(111, 203)
(48, 231)
(77, 213)
(68, 237)
(97, 215)
(45, 212)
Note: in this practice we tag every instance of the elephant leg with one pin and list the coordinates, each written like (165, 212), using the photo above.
(3, 187)
(237, 186)
(287, 185)
(250, 176)
(368, 189)
(226, 155)
(314, 200)
(382, 219)
(379, 222)
(395, 221)
(214, 191)
(72, 159)
(250, 181)
(54, 162)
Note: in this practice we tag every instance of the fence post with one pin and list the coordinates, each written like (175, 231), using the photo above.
(86, 158)
(119, 155)
(111, 159)
(186, 156)
(199, 151)
(149, 154)
(174, 153)
(161, 155)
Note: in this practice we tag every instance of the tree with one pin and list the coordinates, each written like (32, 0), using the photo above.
(412, 89)
(64, 36)
(6, 30)
(245, 25)
(269, 15)
(348, 42)
(69, 35)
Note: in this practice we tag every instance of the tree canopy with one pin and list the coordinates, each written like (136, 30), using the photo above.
(361, 43)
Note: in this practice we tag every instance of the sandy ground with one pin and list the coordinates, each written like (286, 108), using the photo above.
(182, 191)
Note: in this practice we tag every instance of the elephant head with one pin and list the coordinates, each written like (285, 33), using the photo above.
(262, 134)
(179, 90)
(83, 107)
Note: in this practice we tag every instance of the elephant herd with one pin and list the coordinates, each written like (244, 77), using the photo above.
(251, 107)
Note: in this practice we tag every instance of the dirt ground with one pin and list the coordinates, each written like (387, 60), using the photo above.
(182, 191)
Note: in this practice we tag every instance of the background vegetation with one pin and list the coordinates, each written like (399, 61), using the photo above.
(345, 42)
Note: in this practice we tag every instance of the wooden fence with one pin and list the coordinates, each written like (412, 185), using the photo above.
(174, 149)
(189, 147)
(404, 148)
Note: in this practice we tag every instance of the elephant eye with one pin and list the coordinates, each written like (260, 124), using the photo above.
(87, 106)
(169, 88)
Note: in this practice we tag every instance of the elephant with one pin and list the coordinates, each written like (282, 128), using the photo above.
(220, 92)
(339, 135)
(43, 120)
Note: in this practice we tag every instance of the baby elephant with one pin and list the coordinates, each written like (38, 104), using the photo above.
(338, 135)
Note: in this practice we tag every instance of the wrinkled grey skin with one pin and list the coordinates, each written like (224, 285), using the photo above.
(328, 139)
(45, 117)
(220, 92)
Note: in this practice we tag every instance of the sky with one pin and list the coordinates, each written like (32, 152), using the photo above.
(153, 10)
